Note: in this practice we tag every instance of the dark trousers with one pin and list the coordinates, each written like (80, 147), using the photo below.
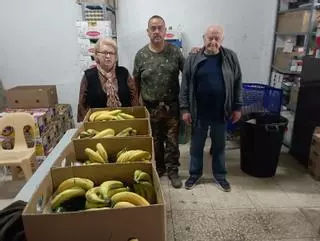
(218, 139)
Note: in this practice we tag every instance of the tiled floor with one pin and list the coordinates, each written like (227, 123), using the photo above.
(286, 207)
(283, 208)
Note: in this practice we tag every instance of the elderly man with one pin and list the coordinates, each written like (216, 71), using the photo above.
(210, 95)
(156, 71)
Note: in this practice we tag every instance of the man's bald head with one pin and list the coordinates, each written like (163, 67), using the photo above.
(213, 38)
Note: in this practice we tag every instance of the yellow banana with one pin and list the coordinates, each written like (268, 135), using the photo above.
(111, 192)
(114, 112)
(124, 205)
(134, 156)
(104, 117)
(97, 209)
(66, 195)
(105, 187)
(125, 132)
(119, 117)
(94, 196)
(126, 116)
(93, 156)
(83, 183)
(94, 163)
(143, 176)
(102, 152)
(84, 134)
(94, 114)
(105, 133)
(90, 205)
(130, 197)
(92, 131)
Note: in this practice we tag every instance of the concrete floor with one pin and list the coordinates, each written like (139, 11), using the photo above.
(286, 207)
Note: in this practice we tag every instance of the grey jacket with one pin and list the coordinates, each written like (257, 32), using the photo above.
(232, 79)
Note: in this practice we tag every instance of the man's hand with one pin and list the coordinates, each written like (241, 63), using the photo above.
(195, 50)
(187, 118)
(236, 115)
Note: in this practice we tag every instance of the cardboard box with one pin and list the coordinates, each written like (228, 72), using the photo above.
(41, 117)
(291, 22)
(94, 29)
(112, 146)
(142, 126)
(143, 223)
(139, 112)
(33, 96)
(283, 60)
(45, 143)
(109, 2)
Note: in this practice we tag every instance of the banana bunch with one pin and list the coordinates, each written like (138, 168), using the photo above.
(127, 132)
(69, 189)
(128, 199)
(143, 186)
(126, 156)
(91, 133)
(99, 156)
(107, 115)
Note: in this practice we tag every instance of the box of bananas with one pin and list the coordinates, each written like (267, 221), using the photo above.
(95, 130)
(97, 202)
(113, 150)
(116, 114)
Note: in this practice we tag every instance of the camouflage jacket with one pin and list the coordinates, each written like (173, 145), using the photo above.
(157, 74)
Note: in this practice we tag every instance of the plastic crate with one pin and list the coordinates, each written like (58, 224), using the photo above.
(261, 98)
(258, 98)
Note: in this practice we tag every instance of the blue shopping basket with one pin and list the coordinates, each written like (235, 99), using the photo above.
(259, 98)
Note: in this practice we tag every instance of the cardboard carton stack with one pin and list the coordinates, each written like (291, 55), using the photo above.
(52, 119)
(314, 158)
(122, 223)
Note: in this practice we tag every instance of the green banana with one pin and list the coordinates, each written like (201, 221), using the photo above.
(93, 196)
(109, 185)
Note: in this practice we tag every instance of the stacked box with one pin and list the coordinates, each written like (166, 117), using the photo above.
(51, 124)
(314, 158)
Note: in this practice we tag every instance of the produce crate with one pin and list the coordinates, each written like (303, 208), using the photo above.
(98, 225)
(142, 126)
(113, 146)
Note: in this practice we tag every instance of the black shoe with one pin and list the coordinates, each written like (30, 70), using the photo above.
(224, 185)
(175, 179)
(192, 182)
(161, 171)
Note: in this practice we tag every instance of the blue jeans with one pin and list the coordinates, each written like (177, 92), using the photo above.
(218, 139)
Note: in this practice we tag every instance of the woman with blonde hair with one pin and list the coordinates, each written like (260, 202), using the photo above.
(106, 85)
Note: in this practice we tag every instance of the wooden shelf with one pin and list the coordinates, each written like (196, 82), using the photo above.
(285, 71)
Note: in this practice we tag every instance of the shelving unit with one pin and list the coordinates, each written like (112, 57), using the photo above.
(298, 26)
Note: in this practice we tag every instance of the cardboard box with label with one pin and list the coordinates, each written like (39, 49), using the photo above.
(144, 223)
(94, 29)
(314, 158)
(33, 96)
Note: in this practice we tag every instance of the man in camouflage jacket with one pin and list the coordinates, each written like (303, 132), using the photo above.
(156, 71)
